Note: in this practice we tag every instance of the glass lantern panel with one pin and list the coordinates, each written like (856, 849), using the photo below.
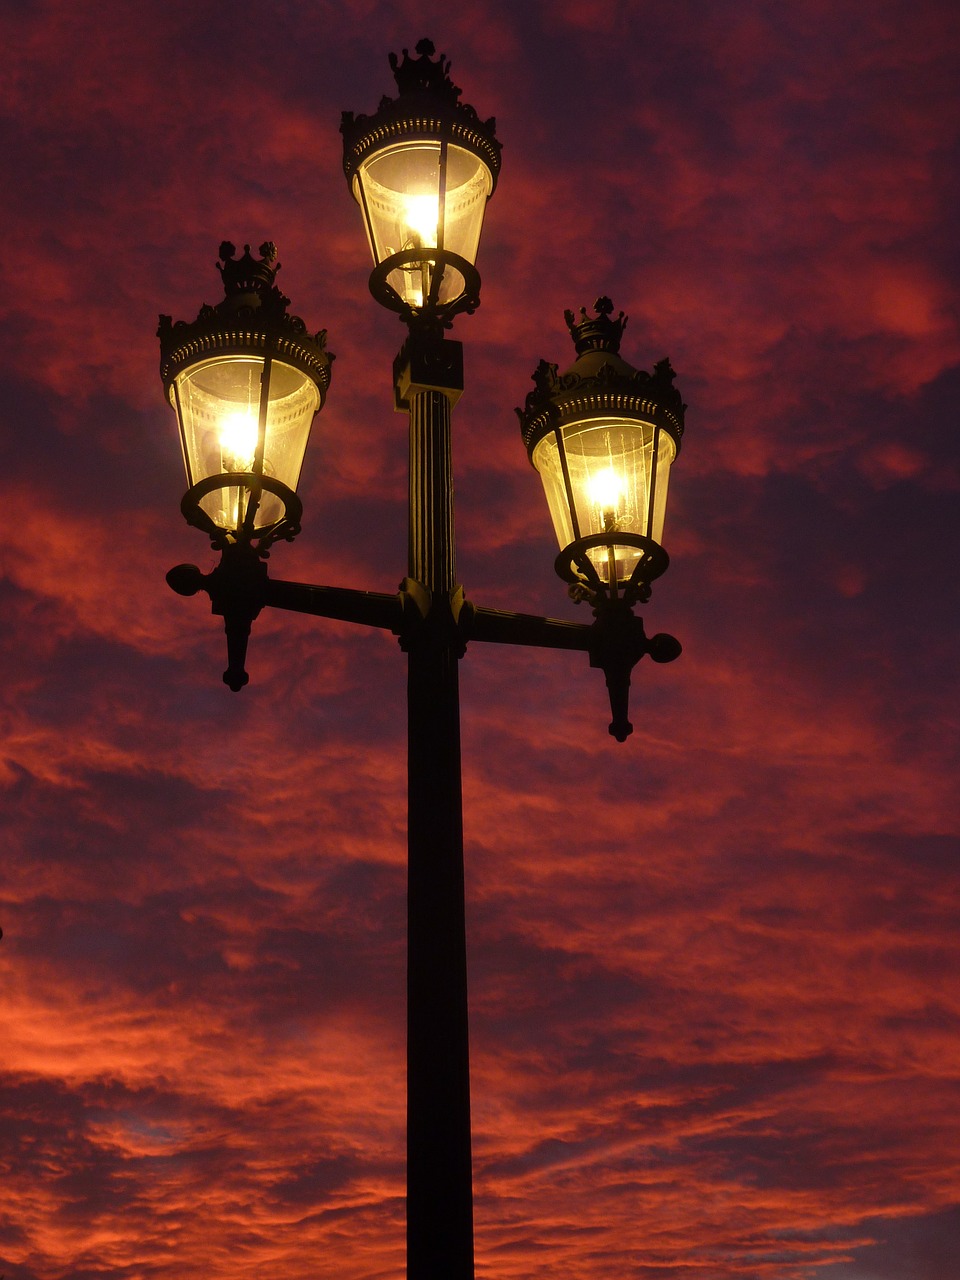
(410, 203)
(611, 464)
(220, 416)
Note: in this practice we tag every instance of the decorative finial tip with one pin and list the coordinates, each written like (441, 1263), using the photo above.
(422, 74)
(599, 333)
(247, 275)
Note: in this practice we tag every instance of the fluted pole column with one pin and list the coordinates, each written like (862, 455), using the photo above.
(439, 1171)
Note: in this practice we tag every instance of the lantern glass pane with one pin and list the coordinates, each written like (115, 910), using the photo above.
(410, 202)
(611, 464)
(219, 424)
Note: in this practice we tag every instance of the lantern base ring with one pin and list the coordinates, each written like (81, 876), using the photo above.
(574, 565)
(431, 310)
(286, 528)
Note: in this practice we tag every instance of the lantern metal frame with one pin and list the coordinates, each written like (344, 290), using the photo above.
(467, 300)
(576, 567)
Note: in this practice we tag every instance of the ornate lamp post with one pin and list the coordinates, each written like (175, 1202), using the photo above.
(246, 380)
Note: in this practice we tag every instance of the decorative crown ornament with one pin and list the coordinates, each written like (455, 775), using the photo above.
(600, 333)
(247, 275)
(423, 75)
(612, 384)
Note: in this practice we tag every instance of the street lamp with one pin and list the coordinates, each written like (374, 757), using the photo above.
(246, 380)
(422, 170)
(603, 436)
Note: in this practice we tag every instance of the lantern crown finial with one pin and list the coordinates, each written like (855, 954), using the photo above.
(246, 275)
(422, 74)
(597, 334)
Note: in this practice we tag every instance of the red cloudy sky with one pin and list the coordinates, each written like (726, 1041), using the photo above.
(715, 1012)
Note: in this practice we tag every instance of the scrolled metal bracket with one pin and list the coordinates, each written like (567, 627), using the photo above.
(617, 643)
(237, 590)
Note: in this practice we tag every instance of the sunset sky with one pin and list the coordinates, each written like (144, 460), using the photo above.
(715, 1007)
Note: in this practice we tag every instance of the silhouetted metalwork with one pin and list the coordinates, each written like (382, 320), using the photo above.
(416, 167)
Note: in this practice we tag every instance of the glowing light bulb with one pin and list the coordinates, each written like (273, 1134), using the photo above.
(420, 219)
(237, 434)
(605, 490)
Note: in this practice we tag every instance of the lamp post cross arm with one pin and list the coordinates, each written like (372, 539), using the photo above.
(239, 588)
(615, 641)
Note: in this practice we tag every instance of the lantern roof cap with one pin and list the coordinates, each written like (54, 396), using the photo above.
(427, 106)
(252, 317)
(599, 381)
(596, 340)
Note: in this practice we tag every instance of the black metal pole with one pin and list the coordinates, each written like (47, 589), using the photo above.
(439, 1168)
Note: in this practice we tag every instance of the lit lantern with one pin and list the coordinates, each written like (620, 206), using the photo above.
(602, 437)
(246, 380)
(422, 170)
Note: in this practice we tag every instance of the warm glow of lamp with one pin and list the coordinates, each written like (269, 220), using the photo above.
(420, 219)
(603, 436)
(423, 195)
(605, 489)
(422, 169)
(238, 433)
(418, 229)
(220, 403)
(606, 476)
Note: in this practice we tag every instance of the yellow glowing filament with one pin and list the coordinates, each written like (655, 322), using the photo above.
(420, 219)
(238, 441)
(605, 490)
